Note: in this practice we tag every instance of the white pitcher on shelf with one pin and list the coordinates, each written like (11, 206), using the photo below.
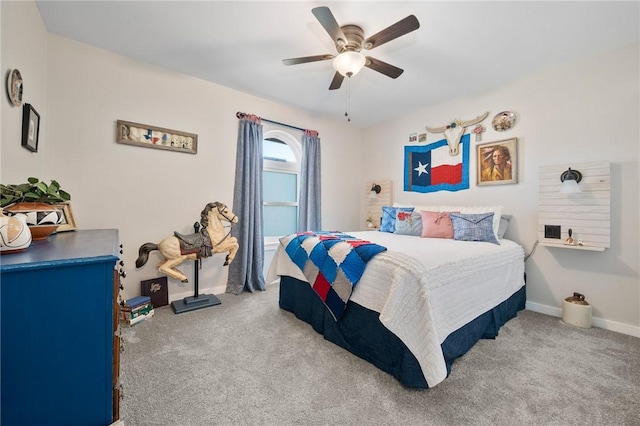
(14, 233)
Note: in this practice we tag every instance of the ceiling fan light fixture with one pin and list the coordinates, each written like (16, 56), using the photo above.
(349, 63)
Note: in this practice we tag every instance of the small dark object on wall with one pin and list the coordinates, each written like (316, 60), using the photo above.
(552, 231)
(157, 290)
(30, 127)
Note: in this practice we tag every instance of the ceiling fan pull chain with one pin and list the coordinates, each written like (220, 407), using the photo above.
(348, 101)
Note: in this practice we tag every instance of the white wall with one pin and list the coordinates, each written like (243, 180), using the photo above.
(26, 51)
(579, 112)
(145, 193)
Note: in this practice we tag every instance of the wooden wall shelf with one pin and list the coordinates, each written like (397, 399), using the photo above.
(587, 213)
(564, 246)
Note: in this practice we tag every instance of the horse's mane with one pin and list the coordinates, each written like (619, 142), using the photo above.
(204, 216)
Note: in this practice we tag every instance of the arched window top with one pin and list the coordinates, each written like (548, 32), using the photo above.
(281, 150)
(277, 150)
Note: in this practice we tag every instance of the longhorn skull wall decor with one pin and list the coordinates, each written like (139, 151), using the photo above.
(454, 130)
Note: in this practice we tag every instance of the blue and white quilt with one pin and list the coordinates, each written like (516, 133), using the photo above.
(332, 262)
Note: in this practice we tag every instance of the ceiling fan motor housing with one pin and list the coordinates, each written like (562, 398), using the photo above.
(355, 37)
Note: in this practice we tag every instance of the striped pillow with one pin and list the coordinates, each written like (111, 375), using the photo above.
(473, 227)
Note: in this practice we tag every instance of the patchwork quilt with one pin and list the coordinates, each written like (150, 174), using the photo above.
(332, 262)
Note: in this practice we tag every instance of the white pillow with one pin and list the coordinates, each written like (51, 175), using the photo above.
(497, 211)
(504, 224)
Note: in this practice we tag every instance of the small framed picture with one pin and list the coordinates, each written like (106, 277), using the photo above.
(68, 220)
(30, 127)
(157, 290)
(156, 137)
(497, 162)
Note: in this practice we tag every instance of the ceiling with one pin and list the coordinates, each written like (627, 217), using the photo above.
(460, 49)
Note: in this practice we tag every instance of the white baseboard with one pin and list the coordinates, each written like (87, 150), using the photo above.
(618, 327)
(544, 309)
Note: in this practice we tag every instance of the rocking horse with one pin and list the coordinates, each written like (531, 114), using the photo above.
(211, 239)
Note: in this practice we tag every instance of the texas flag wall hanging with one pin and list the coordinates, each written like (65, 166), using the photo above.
(430, 168)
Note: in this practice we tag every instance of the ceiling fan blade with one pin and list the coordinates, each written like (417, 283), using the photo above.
(336, 82)
(325, 17)
(305, 59)
(383, 67)
(400, 28)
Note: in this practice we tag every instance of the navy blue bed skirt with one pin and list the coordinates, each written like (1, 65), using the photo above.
(360, 331)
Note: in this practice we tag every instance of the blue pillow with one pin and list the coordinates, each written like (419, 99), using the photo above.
(473, 227)
(389, 217)
(408, 223)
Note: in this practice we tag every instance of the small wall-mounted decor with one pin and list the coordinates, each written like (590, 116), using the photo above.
(68, 222)
(30, 127)
(430, 168)
(479, 130)
(454, 131)
(137, 134)
(497, 162)
(503, 121)
(14, 87)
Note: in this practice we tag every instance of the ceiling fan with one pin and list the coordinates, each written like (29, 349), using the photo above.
(349, 41)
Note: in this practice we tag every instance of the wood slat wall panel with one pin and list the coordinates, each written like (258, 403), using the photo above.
(374, 207)
(595, 187)
(574, 224)
(594, 210)
(593, 202)
(587, 213)
(584, 230)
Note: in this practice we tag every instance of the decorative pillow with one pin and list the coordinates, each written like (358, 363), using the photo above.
(389, 217)
(504, 224)
(473, 227)
(436, 225)
(408, 223)
(497, 210)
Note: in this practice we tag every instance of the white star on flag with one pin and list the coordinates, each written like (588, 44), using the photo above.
(422, 168)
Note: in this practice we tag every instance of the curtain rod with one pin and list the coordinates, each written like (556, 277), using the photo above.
(242, 115)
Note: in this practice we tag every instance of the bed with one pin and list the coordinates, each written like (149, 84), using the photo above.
(418, 306)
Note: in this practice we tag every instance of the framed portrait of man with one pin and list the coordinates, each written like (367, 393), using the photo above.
(497, 162)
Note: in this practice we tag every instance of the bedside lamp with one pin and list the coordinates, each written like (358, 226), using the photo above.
(375, 190)
(570, 179)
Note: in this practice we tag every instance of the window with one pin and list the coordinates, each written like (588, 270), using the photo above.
(281, 182)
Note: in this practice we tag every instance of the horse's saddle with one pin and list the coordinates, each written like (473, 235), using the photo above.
(198, 243)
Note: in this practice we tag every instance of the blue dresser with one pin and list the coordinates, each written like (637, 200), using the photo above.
(60, 358)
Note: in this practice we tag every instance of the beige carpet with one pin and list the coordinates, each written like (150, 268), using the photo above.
(247, 362)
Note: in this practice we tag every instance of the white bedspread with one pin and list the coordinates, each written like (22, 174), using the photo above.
(426, 288)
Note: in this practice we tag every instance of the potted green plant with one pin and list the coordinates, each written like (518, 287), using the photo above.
(35, 199)
(34, 191)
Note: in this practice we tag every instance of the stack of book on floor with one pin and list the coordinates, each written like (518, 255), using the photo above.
(136, 309)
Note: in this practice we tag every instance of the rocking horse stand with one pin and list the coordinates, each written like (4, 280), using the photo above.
(212, 239)
(197, 301)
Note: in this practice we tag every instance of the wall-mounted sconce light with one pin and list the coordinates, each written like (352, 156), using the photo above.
(375, 190)
(570, 179)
